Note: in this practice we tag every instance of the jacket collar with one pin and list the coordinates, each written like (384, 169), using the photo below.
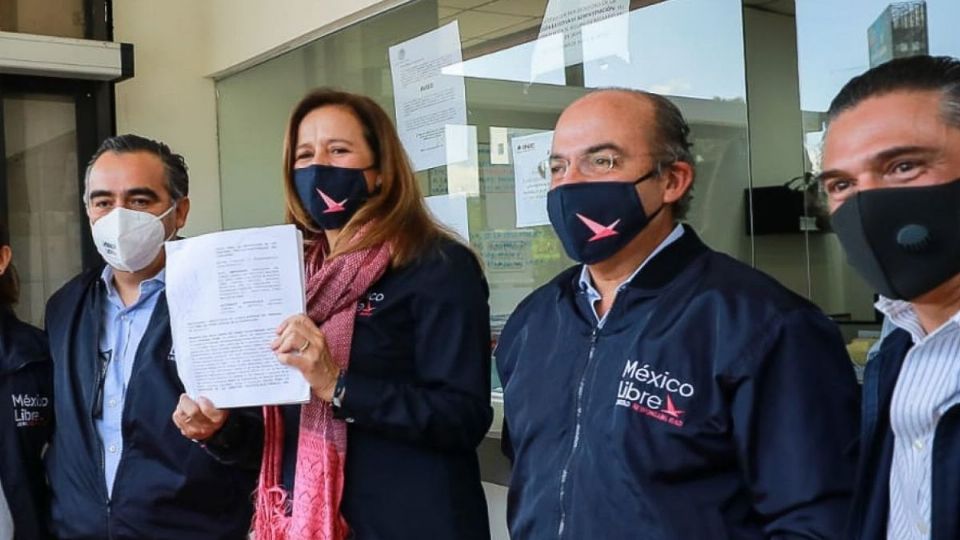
(18, 344)
(659, 271)
(669, 263)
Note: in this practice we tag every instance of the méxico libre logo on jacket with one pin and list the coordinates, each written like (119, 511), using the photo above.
(29, 410)
(647, 392)
(365, 308)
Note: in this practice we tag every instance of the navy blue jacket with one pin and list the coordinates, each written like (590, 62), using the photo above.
(872, 500)
(417, 403)
(713, 404)
(26, 420)
(166, 485)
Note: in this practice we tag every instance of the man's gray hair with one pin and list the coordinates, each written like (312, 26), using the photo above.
(671, 138)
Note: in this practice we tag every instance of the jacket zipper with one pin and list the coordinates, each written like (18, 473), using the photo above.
(103, 476)
(103, 457)
(576, 431)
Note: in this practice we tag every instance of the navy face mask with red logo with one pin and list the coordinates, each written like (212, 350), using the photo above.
(595, 220)
(331, 195)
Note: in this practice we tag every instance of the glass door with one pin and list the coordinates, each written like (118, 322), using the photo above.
(43, 200)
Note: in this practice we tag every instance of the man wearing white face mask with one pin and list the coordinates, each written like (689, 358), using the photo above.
(117, 466)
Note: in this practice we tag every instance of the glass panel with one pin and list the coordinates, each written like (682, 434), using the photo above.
(780, 246)
(62, 18)
(518, 78)
(44, 211)
(836, 41)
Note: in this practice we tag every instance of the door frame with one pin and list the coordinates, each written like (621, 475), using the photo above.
(95, 113)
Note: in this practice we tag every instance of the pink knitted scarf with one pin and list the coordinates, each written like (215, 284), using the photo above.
(333, 289)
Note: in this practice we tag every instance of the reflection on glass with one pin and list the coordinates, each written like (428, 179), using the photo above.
(690, 48)
(834, 40)
(538, 61)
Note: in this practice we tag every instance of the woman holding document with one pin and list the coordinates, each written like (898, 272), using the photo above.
(395, 345)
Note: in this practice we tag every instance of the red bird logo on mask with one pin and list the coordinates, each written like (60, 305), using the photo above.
(599, 231)
(332, 205)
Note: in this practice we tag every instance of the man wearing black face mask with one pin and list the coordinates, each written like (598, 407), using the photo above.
(661, 389)
(891, 170)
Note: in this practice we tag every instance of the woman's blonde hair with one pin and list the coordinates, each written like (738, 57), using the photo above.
(396, 210)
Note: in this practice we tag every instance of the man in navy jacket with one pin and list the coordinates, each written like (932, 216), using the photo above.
(662, 390)
(118, 467)
(891, 170)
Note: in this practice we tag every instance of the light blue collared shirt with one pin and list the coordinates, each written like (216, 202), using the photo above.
(586, 282)
(927, 387)
(122, 329)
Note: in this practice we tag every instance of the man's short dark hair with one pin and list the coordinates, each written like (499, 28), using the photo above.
(913, 73)
(174, 165)
(671, 139)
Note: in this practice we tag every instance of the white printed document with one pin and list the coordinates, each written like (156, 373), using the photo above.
(426, 100)
(451, 210)
(530, 152)
(228, 292)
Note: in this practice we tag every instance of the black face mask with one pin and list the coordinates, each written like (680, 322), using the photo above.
(903, 241)
(594, 220)
(331, 195)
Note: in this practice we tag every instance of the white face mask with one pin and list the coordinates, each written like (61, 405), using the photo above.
(129, 240)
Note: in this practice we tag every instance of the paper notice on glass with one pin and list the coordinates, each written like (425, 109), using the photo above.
(566, 18)
(608, 38)
(529, 154)
(451, 210)
(426, 100)
(463, 167)
(227, 293)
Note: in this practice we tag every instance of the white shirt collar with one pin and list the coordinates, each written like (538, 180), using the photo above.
(902, 315)
(586, 282)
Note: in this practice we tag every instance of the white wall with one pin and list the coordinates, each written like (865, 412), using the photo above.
(169, 98)
(241, 30)
(179, 45)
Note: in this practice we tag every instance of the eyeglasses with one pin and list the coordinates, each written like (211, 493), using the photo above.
(591, 165)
